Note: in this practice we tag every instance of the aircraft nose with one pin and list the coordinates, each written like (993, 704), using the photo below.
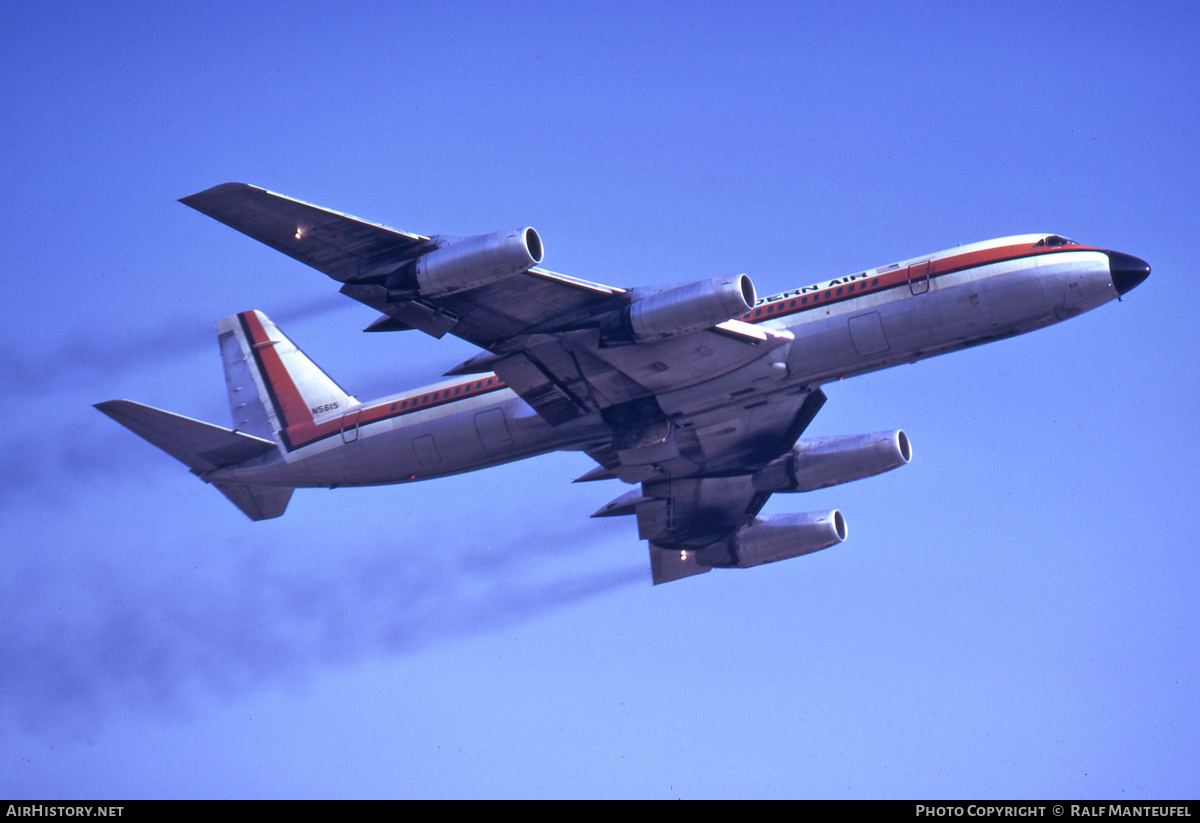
(1127, 271)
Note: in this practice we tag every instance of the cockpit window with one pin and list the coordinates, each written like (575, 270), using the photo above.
(1052, 240)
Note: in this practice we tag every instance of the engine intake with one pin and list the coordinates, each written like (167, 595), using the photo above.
(829, 461)
(476, 261)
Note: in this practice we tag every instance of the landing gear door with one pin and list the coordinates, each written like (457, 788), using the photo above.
(918, 277)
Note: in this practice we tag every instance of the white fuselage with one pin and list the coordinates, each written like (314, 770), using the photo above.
(851, 325)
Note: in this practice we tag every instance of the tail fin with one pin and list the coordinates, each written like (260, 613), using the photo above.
(273, 387)
(257, 502)
(272, 384)
(203, 448)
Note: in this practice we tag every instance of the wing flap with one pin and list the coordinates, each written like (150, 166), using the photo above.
(537, 388)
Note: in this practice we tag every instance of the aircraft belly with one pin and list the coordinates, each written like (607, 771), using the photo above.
(958, 310)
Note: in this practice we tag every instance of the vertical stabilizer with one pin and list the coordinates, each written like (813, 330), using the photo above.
(273, 388)
(257, 502)
(272, 385)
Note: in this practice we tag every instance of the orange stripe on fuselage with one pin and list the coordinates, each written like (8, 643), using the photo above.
(890, 277)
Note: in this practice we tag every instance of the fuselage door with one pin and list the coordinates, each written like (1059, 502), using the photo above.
(426, 450)
(492, 429)
(866, 330)
(918, 277)
(350, 426)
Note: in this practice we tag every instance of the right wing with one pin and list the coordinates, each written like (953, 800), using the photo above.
(688, 521)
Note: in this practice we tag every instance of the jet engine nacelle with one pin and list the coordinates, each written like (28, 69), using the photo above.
(829, 461)
(786, 535)
(476, 261)
(690, 307)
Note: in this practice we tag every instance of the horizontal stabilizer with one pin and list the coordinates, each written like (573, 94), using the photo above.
(201, 446)
(258, 502)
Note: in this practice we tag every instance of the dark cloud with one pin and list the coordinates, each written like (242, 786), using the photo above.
(67, 441)
(46, 462)
(95, 354)
(85, 644)
(88, 633)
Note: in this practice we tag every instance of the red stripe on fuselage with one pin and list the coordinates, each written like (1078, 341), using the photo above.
(890, 277)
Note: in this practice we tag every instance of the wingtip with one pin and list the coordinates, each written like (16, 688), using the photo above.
(219, 189)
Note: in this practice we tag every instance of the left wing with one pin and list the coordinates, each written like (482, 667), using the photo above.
(563, 344)
(364, 256)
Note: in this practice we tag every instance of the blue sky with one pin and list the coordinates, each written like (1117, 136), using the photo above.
(1014, 614)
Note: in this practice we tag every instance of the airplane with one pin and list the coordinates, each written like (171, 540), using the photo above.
(697, 392)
